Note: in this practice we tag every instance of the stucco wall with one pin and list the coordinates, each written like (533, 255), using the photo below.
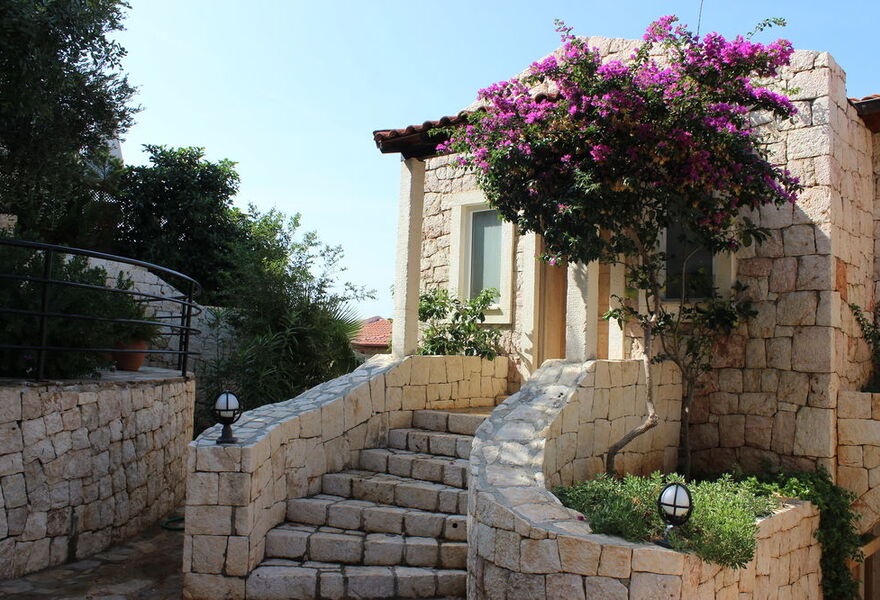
(87, 464)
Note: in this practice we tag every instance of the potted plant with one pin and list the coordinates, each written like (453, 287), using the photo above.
(132, 339)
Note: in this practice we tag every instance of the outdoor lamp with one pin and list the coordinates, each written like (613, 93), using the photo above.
(675, 505)
(227, 410)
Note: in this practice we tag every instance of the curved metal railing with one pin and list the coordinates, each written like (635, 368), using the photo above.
(176, 325)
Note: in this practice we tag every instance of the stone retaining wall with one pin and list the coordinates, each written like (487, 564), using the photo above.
(523, 544)
(858, 453)
(237, 493)
(85, 464)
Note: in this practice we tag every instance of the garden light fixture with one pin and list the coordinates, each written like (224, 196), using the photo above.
(227, 411)
(675, 505)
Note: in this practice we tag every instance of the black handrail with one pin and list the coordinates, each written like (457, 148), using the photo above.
(182, 329)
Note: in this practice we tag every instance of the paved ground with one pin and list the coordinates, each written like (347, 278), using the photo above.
(144, 568)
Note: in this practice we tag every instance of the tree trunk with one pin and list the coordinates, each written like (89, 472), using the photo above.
(686, 402)
(651, 419)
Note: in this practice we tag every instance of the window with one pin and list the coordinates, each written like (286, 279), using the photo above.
(687, 260)
(485, 250)
(481, 253)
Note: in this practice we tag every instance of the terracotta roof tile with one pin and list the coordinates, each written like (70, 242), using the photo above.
(375, 332)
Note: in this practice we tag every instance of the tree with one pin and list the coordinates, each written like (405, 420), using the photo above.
(289, 318)
(177, 212)
(617, 152)
(61, 98)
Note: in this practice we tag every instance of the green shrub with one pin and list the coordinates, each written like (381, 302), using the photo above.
(288, 325)
(837, 532)
(721, 529)
(456, 327)
(871, 331)
(24, 330)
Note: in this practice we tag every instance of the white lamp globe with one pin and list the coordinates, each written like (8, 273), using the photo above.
(226, 405)
(675, 503)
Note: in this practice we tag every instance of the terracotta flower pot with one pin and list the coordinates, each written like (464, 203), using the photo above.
(130, 361)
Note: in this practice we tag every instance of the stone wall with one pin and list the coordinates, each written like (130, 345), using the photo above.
(858, 453)
(8, 222)
(236, 493)
(876, 160)
(86, 464)
(771, 399)
(524, 545)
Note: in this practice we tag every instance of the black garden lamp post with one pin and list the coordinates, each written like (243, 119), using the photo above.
(227, 411)
(675, 505)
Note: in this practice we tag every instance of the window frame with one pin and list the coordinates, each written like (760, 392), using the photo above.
(463, 206)
(723, 274)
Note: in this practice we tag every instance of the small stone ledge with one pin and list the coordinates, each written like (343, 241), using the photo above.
(237, 493)
(523, 541)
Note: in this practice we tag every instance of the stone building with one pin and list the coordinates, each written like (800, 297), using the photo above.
(781, 392)
(429, 476)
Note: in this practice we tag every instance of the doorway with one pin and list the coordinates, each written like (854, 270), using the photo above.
(550, 309)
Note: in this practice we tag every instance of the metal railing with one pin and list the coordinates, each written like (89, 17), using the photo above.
(177, 325)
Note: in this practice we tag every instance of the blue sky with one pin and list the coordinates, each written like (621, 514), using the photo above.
(292, 90)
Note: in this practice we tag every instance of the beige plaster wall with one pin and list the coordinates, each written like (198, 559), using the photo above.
(86, 464)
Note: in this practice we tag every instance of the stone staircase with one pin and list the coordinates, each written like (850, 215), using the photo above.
(394, 528)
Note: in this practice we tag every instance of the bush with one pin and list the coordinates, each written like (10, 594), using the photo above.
(456, 327)
(290, 325)
(837, 532)
(721, 529)
(23, 330)
(871, 332)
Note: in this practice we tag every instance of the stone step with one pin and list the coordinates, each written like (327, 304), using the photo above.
(398, 491)
(280, 579)
(418, 465)
(373, 517)
(439, 443)
(350, 547)
(465, 420)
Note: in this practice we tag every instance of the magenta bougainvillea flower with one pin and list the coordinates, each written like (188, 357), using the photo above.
(662, 136)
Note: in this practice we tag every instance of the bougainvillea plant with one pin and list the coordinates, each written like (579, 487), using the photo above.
(610, 153)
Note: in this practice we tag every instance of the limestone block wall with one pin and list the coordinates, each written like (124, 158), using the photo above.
(8, 222)
(858, 452)
(236, 493)
(772, 397)
(86, 464)
(876, 161)
(524, 545)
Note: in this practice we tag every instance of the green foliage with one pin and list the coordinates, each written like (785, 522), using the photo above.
(21, 329)
(456, 327)
(871, 331)
(61, 98)
(177, 212)
(721, 529)
(288, 326)
(837, 532)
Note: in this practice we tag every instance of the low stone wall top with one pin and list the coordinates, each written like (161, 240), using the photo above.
(523, 544)
(88, 463)
(237, 493)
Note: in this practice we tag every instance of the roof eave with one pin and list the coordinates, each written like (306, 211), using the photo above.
(869, 110)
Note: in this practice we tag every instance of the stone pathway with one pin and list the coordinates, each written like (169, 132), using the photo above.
(144, 568)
